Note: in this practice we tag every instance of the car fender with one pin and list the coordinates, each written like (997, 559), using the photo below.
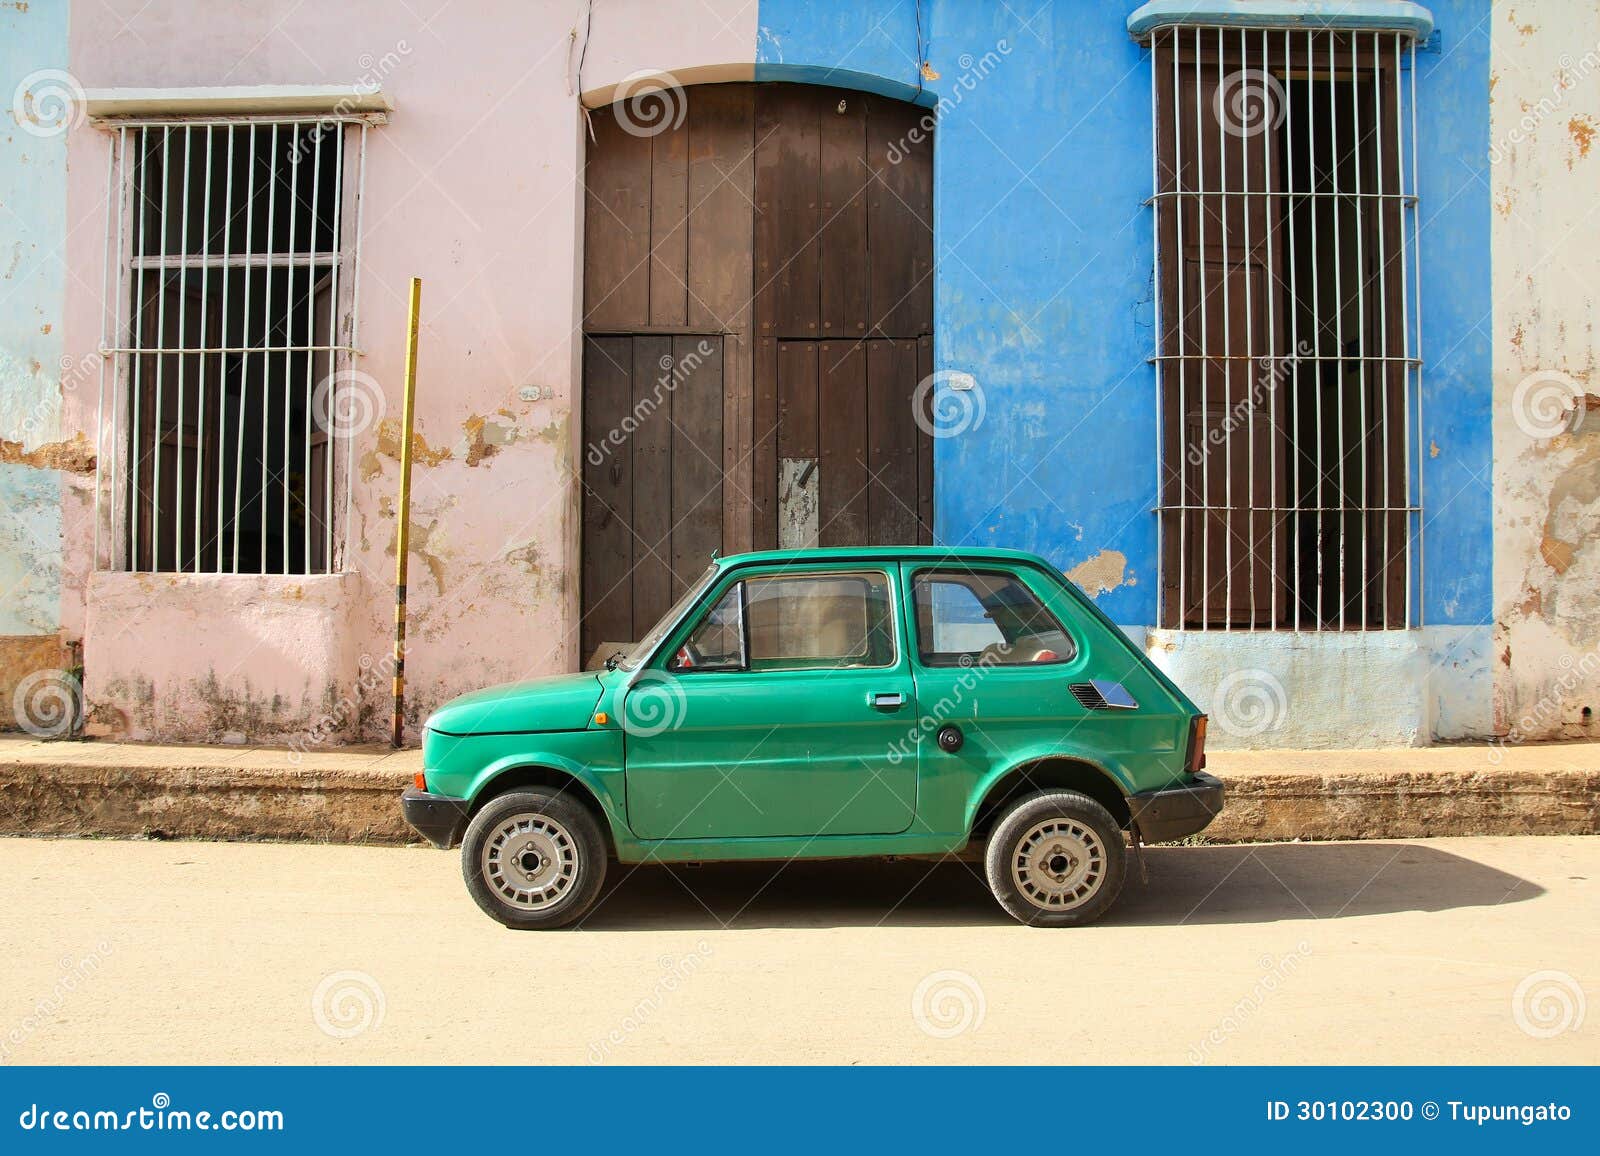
(1110, 767)
(604, 786)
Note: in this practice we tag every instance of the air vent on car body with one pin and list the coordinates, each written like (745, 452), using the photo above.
(1102, 694)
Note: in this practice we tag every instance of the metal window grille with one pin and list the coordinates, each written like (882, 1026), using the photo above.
(1288, 328)
(229, 339)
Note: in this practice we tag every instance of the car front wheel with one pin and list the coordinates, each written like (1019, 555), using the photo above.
(534, 859)
(1056, 859)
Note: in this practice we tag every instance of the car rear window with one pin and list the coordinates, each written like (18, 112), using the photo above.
(983, 616)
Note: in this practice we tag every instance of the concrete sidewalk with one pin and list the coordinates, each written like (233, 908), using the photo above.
(350, 795)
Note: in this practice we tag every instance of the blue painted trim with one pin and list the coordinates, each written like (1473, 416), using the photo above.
(1364, 15)
(844, 78)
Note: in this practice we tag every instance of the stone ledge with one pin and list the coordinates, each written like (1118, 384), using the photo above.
(104, 789)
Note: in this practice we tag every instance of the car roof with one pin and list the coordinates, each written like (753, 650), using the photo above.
(885, 554)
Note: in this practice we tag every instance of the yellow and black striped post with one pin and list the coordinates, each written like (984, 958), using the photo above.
(402, 545)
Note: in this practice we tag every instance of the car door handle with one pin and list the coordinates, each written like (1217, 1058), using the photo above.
(887, 701)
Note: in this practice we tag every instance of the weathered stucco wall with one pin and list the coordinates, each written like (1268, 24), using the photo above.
(1545, 174)
(1043, 267)
(1043, 293)
(474, 186)
(34, 486)
(263, 660)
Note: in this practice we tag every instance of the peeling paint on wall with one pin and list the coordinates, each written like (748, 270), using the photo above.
(422, 454)
(75, 455)
(1101, 574)
(486, 437)
(1546, 477)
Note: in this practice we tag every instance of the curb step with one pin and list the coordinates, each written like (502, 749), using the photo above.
(100, 789)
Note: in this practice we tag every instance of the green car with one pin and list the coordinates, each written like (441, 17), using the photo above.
(829, 703)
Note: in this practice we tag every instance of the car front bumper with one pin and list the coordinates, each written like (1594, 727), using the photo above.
(439, 819)
(1174, 812)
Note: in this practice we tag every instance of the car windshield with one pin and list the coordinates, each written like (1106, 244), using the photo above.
(652, 638)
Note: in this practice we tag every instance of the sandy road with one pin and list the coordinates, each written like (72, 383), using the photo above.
(1396, 952)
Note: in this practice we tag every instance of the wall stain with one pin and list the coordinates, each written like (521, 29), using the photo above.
(1581, 129)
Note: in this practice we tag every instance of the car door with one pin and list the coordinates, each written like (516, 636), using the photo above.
(784, 709)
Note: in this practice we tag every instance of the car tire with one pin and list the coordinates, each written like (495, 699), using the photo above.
(534, 859)
(1056, 859)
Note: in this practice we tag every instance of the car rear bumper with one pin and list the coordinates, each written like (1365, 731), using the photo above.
(439, 819)
(1174, 812)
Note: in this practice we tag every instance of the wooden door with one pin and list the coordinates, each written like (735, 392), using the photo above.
(790, 226)
(652, 479)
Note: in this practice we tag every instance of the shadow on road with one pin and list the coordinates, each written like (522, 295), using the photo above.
(1261, 883)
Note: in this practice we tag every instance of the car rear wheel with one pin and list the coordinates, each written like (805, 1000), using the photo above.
(1056, 860)
(534, 859)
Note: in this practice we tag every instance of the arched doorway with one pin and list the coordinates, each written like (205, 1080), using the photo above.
(758, 311)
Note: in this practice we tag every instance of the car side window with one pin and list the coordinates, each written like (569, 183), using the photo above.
(986, 617)
(718, 643)
(795, 622)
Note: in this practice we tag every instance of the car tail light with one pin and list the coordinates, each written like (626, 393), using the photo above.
(1197, 744)
(420, 780)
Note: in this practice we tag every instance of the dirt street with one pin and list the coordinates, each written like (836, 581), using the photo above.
(1427, 951)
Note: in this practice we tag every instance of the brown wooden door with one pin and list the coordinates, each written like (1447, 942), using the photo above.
(652, 478)
(791, 226)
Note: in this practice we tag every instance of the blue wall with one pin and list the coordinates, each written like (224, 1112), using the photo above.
(1043, 266)
(1457, 300)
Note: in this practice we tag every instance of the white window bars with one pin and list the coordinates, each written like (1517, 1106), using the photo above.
(229, 339)
(1288, 328)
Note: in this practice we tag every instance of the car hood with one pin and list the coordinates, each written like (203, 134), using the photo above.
(563, 702)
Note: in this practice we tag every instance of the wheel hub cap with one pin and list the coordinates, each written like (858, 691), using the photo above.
(1059, 864)
(531, 861)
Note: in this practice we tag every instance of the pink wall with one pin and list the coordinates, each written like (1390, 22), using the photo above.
(474, 185)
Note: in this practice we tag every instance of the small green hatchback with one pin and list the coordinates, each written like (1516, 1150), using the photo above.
(829, 703)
